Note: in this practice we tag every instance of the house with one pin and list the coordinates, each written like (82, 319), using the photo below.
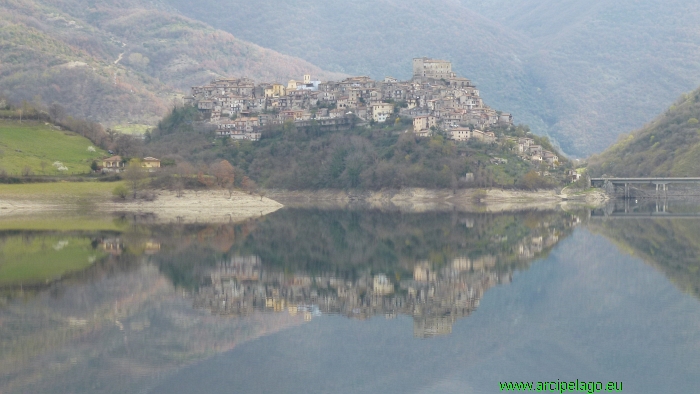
(535, 149)
(505, 118)
(573, 175)
(432, 68)
(150, 163)
(550, 157)
(343, 102)
(205, 105)
(422, 123)
(113, 164)
(381, 111)
(460, 133)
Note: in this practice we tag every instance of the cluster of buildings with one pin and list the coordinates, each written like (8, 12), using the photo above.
(116, 164)
(528, 150)
(435, 298)
(434, 98)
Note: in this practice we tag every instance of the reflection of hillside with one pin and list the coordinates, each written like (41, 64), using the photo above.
(118, 332)
(128, 317)
(309, 240)
(671, 245)
(461, 259)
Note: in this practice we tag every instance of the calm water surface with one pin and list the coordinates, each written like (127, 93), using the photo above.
(321, 301)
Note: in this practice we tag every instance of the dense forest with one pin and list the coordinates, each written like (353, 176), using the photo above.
(669, 146)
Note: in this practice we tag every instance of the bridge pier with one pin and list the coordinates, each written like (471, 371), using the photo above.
(611, 185)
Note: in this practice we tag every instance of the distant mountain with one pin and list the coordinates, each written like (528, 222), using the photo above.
(582, 71)
(668, 146)
(118, 62)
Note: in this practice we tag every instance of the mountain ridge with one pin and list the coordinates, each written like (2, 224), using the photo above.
(579, 72)
(121, 62)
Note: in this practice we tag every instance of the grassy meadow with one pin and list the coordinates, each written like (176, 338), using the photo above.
(132, 129)
(84, 194)
(38, 146)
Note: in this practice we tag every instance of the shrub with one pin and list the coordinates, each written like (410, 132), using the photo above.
(120, 191)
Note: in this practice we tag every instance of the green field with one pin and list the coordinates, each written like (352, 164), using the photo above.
(38, 146)
(80, 194)
(44, 258)
(132, 129)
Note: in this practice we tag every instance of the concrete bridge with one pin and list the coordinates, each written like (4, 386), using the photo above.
(609, 184)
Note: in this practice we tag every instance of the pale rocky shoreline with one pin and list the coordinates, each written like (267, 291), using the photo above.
(420, 200)
(218, 206)
(201, 206)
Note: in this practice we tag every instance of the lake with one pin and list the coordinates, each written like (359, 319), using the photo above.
(308, 300)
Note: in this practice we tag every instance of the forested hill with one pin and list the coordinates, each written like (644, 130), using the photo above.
(669, 146)
(583, 71)
(125, 61)
(384, 155)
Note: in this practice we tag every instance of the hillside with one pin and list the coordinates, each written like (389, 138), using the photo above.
(366, 158)
(669, 146)
(37, 146)
(124, 62)
(581, 71)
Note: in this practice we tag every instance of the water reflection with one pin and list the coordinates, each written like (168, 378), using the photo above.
(433, 267)
(147, 299)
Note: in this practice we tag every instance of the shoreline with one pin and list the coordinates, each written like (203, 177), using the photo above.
(420, 200)
(200, 206)
(217, 206)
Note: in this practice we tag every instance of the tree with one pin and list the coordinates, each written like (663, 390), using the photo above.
(56, 112)
(94, 166)
(184, 170)
(134, 175)
(224, 173)
(204, 178)
(248, 185)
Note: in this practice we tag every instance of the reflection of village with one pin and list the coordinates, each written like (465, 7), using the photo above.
(115, 246)
(436, 296)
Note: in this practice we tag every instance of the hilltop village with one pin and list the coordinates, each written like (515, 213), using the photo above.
(434, 99)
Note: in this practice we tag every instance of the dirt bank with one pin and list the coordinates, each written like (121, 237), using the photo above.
(202, 206)
(419, 200)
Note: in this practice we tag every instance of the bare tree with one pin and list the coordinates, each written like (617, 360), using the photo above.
(56, 112)
(184, 170)
(224, 173)
(134, 175)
